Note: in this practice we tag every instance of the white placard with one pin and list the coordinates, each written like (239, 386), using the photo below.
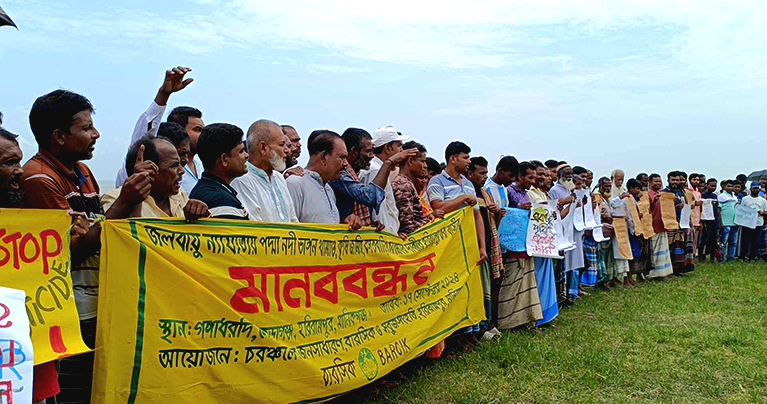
(684, 216)
(707, 210)
(597, 230)
(542, 232)
(15, 348)
(746, 217)
(588, 214)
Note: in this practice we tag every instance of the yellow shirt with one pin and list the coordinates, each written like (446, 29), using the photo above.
(149, 208)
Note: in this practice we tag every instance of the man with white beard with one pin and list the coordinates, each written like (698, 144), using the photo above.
(263, 191)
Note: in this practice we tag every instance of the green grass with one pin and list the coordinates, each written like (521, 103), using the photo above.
(697, 339)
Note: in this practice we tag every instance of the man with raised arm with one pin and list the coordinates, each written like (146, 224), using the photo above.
(149, 121)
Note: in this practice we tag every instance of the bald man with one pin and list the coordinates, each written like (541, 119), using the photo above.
(263, 190)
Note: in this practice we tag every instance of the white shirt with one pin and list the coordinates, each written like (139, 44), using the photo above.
(267, 199)
(758, 203)
(388, 215)
(189, 180)
(147, 124)
(726, 197)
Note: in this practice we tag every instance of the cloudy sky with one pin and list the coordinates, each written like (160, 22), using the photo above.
(640, 85)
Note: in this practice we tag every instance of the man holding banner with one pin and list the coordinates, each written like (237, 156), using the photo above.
(56, 178)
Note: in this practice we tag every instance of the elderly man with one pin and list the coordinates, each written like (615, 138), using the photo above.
(387, 143)
(562, 191)
(618, 190)
(165, 199)
(224, 156)
(56, 178)
(263, 190)
(352, 196)
(313, 197)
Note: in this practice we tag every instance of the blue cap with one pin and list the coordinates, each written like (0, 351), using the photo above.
(755, 184)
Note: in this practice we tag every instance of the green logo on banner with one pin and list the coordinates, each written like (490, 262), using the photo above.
(368, 364)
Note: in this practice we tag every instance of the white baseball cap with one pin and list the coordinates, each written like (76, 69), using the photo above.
(387, 134)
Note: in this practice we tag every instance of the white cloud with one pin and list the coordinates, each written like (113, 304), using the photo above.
(712, 39)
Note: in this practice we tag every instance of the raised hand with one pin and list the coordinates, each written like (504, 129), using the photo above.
(174, 80)
(402, 156)
(142, 166)
(136, 189)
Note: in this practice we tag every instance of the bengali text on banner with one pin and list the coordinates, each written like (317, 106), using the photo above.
(229, 311)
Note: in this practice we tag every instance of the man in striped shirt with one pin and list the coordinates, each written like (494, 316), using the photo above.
(56, 178)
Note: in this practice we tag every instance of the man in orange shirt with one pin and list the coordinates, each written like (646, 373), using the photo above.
(56, 178)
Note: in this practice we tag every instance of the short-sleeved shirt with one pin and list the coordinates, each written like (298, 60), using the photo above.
(411, 216)
(314, 199)
(47, 184)
(758, 203)
(727, 202)
(442, 187)
(497, 192)
(220, 197)
(517, 196)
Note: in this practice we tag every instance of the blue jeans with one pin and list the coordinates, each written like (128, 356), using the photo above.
(729, 242)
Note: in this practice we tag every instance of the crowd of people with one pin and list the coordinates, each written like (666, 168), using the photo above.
(385, 180)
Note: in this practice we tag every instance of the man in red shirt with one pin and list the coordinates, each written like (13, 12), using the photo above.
(55, 178)
(661, 260)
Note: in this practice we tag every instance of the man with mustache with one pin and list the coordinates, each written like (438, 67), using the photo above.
(56, 178)
(353, 196)
(263, 190)
(11, 196)
(295, 151)
(313, 197)
(166, 199)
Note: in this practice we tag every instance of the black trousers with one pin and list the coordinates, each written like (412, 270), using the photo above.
(708, 242)
(76, 373)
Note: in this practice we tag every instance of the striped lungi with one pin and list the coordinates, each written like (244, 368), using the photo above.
(661, 258)
(518, 301)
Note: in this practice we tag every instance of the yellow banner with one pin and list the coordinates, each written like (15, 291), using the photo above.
(34, 257)
(246, 312)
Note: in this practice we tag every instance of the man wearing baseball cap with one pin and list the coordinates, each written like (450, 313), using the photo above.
(387, 142)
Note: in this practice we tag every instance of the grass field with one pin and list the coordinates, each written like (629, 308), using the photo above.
(697, 339)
